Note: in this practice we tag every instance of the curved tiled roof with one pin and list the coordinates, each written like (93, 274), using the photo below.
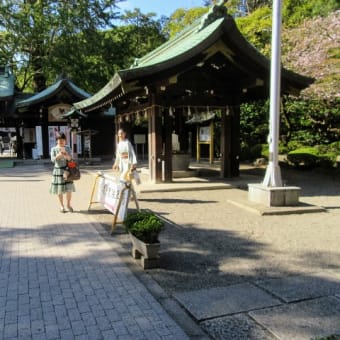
(7, 82)
(51, 91)
(216, 28)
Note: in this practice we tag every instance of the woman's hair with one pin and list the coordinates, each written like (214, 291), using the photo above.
(61, 136)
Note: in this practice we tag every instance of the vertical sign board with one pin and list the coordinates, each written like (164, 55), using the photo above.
(112, 195)
(205, 136)
(39, 141)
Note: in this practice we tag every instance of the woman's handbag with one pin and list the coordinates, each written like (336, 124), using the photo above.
(71, 172)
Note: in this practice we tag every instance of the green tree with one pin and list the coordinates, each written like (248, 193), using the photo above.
(253, 126)
(91, 59)
(182, 18)
(311, 122)
(30, 30)
(256, 28)
(296, 11)
(142, 31)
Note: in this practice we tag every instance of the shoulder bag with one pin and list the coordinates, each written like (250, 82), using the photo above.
(71, 172)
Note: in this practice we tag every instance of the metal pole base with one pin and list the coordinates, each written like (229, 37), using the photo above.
(273, 176)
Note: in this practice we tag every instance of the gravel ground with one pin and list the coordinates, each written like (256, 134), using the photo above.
(208, 242)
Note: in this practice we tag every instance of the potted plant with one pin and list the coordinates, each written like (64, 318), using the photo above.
(144, 228)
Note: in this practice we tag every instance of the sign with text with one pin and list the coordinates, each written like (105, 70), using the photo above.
(204, 134)
(110, 193)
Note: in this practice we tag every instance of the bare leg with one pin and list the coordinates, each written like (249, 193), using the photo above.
(68, 200)
(61, 201)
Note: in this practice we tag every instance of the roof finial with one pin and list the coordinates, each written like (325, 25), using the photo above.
(216, 12)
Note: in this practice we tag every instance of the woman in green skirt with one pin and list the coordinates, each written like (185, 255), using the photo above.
(60, 154)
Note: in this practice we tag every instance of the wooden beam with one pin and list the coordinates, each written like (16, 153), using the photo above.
(230, 142)
(155, 144)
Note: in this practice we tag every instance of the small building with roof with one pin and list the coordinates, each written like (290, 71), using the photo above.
(7, 93)
(40, 116)
(7, 109)
(207, 68)
(31, 121)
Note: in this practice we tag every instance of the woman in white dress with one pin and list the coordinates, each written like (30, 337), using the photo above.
(126, 159)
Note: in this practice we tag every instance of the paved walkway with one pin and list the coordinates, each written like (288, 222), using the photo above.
(58, 278)
(227, 272)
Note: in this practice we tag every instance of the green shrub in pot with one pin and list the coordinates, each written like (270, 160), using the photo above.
(144, 225)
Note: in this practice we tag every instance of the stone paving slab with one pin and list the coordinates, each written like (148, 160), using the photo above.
(302, 287)
(236, 327)
(220, 301)
(310, 319)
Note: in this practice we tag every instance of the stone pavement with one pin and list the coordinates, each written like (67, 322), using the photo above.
(226, 273)
(59, 279)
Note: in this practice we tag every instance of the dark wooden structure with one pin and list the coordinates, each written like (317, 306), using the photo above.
(208, 66)
(46, 110)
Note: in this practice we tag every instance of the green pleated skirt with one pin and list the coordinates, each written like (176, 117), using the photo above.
(58, 185)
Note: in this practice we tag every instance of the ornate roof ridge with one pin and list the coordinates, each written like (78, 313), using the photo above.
(215, 12)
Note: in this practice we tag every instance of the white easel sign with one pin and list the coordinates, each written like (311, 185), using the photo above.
(109, 193)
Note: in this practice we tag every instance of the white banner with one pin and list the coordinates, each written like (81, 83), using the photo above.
(52, 134)
(109, 192)
(39, 141)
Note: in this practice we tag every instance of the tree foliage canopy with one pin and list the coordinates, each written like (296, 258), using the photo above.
(41, 39)
(181, 18)
(31, 30)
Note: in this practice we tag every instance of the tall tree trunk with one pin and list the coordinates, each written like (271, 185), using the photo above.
(39, 79)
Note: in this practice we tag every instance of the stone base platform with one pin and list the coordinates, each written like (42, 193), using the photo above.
(274, 196)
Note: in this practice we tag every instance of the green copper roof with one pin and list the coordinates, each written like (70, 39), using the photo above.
(51, 91)
(184, 42)
(214, 34)
(7, 81)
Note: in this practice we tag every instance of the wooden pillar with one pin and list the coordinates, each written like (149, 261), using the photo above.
(230, 142)
(167, 133)
(155, 144)
(235, 141)
(226, 144)
(198, 145)
(211, 145)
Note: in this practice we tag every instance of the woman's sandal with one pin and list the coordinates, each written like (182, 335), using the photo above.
(70, 209)
(62, 210)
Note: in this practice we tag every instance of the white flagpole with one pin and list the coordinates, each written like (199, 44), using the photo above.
(273, 174)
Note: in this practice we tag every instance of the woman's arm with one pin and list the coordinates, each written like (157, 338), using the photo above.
(68, 153)
(53, 155)
(132, 156)
(115, 165)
